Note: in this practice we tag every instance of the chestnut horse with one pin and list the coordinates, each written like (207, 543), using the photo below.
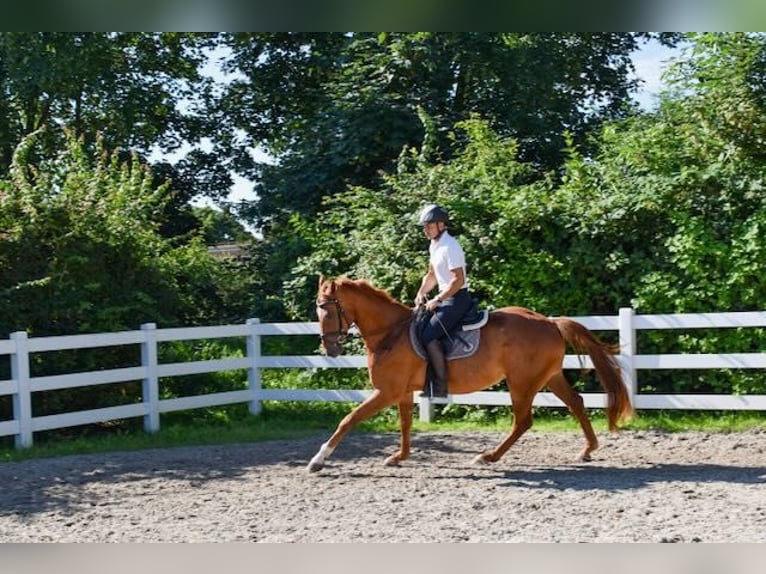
(518, 345)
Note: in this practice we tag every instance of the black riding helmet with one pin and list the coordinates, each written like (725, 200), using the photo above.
(433, 214)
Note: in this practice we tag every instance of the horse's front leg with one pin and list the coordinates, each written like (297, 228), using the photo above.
(375, 403)
(405, 425)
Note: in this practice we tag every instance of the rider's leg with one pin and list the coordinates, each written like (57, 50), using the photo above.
(439, 366)
(436, 383)
(444, 319)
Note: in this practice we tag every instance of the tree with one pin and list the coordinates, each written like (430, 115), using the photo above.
(494, 202)
(336, 110)
(693, 176)
(81, 252)
(81, 249)
(139, 91)
(678, 196)
(220, 226)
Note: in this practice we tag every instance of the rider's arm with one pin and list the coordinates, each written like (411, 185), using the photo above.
(428, 282)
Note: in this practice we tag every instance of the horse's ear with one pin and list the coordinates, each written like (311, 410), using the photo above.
(323, 280)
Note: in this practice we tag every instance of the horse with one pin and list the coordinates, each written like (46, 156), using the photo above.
(516, 344)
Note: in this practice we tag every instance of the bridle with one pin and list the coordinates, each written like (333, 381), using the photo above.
(340, 334)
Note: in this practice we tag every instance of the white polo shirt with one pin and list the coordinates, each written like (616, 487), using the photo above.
(445, 255)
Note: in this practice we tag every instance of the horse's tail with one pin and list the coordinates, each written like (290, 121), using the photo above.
(609, 375)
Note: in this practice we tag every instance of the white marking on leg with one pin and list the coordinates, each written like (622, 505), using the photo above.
(324, 451)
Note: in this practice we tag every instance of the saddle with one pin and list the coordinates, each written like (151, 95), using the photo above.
(461, 342)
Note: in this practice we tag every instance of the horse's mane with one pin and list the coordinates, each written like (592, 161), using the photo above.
(367, 287)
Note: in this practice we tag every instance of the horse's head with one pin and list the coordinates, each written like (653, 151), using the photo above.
(333, 323)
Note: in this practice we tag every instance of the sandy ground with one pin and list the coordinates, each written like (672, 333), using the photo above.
(641, 487)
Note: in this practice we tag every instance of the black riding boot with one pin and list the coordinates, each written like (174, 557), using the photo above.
(439, 365)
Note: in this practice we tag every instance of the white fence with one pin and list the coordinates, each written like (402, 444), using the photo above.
(21, 385)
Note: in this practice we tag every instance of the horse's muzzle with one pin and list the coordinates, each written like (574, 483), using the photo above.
(333, 349)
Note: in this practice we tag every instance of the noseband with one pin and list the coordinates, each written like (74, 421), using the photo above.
(340, 333)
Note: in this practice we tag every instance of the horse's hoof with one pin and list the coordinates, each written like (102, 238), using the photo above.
(396, 459)
(314, 467)
(585, 457)
(480, 459)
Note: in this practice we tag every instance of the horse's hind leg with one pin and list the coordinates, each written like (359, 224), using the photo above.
(560, 387)
(522, 422)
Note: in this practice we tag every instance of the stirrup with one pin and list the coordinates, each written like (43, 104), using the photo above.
(429, 394)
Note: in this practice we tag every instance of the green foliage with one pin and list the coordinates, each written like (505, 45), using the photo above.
(505, 217)
(337, 110)
(665, 215)
(677, 198)
(122, 85)
(221, 226)
(81, 252)
(558, 207)
(80, 248)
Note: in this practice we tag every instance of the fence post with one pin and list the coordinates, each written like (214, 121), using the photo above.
(150, 386)
(254, 372)
(425, 410)
(628, 351)
(22, 400)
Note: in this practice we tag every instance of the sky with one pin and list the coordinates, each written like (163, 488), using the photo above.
(650, 62)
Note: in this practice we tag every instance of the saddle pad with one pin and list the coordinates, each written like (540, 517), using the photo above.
(463, 343)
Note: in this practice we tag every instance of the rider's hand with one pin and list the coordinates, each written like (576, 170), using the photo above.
(432, 304)
(420, 300)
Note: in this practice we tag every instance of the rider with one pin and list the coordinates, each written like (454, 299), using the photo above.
(446, 269)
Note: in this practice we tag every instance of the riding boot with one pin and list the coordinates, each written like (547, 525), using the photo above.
(439, 366)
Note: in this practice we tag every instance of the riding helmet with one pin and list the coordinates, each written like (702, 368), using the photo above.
(433, 214)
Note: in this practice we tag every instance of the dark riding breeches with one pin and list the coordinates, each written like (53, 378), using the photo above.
(446, 316)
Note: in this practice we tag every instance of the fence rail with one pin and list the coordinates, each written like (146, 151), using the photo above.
(19, 348)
